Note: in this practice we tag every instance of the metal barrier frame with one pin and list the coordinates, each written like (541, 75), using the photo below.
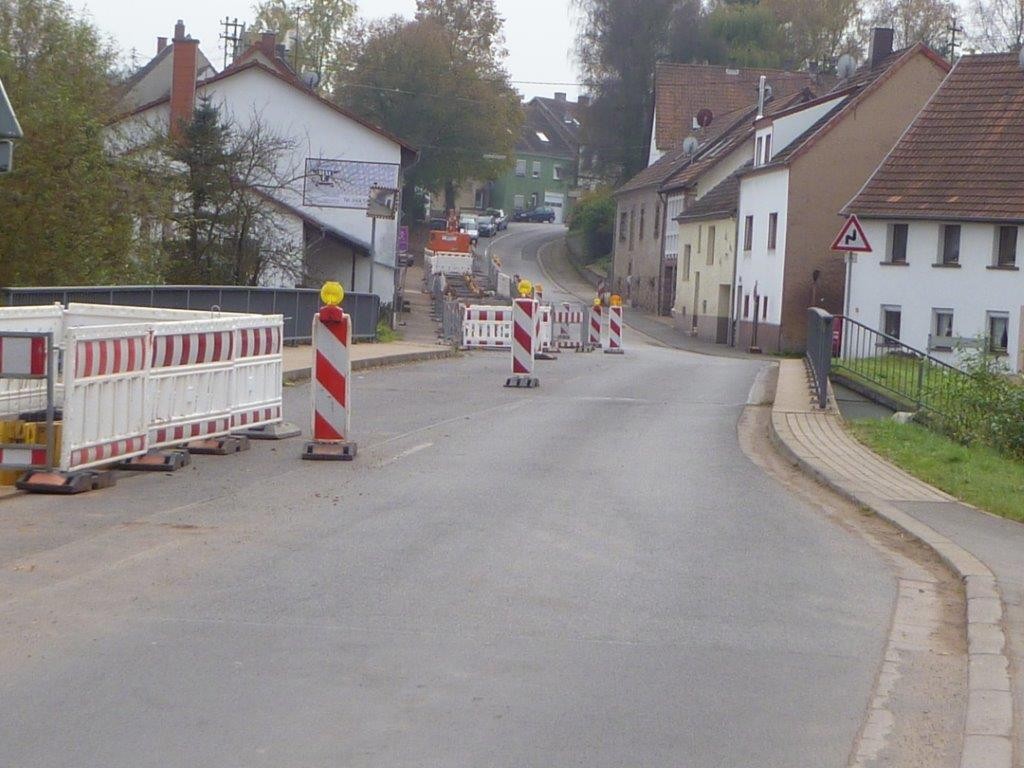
(49, 445)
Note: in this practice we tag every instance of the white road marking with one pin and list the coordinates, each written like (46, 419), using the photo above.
(406, 453)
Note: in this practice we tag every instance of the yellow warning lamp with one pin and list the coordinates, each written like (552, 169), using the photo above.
(525, 288)
(616, 300)
(331, 294)
(597, 301)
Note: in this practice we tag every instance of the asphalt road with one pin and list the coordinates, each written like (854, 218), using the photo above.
(591, 573)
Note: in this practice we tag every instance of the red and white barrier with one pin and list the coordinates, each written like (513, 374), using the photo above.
(615, 327)
(596, 328)
(486, 327)
(22, 356)
(567, 328)
(331, 387)
(525, 318)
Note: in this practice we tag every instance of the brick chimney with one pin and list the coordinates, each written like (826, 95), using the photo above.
(880, 46)
(268, 44)
(161, 43)
(184, 69)
(583, 100)
(559, 96)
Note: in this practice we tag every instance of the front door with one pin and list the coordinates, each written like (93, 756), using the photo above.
(668, 289)
(722, 331)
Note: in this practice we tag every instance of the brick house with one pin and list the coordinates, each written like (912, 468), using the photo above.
(806, 165)
(944, 213)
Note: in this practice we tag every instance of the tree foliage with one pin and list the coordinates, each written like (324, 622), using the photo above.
(913, 21)
(413, 78)
(818, 32)
(474, 26)
(999, 24)
(593, 217)
(747, 34)
(66, 214)
(312, 28)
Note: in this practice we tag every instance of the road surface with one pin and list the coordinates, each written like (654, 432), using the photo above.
(587, 574)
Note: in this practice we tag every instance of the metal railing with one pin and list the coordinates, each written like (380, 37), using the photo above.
(298, 305)
(819, 351)
(875, 363)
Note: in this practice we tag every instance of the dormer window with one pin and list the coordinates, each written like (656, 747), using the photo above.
(759, 147)
(767, 148)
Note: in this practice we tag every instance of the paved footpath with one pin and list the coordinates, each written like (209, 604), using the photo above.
(986, 551)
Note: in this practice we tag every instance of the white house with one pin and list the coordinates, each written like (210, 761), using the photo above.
(335, 158)
(806, 163)
(944, 213)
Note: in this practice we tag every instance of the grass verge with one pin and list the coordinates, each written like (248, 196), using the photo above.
(975, 474)
(386, 334)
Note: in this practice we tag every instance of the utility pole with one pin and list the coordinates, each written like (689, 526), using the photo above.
(233, 35)
(954, 29)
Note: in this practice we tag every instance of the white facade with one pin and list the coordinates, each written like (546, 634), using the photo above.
(976, 293)
(759, 267)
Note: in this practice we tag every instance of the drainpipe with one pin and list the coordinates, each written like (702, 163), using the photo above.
(663, 213)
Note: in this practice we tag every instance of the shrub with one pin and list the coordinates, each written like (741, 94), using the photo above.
(593, 217)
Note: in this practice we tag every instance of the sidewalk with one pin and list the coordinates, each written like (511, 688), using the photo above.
(556, 265)
(298, 361)
(987, 552)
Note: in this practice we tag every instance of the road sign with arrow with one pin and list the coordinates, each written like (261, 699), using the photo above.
(851, 238)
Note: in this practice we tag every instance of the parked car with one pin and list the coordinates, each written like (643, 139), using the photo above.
(537, 214)
(500, 219)
(468, 225)
(486, 227)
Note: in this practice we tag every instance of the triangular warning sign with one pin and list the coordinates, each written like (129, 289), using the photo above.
(851, 238)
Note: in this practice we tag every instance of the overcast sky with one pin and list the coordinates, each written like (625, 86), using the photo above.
(539, 33)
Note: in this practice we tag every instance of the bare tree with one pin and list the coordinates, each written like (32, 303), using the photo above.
(998, 24)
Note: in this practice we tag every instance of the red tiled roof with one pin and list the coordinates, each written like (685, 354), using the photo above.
(963, 156)
(682, 90)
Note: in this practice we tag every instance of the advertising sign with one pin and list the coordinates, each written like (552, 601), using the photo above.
(345, 183)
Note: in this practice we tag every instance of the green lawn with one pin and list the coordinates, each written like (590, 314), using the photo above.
(904, 379)
(977, 475)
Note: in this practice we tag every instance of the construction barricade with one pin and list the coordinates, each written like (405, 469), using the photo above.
(128, 380)
(568, 327)
(615, 326)
(524, 342)
(485, 327)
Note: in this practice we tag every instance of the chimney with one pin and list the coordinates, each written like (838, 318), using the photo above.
(583, 101)
(881, 45)
(161, 43)
(281, 51)
(559, 96)
(268, 44)
(183, 79)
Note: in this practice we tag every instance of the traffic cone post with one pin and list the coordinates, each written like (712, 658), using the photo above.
(332, 374)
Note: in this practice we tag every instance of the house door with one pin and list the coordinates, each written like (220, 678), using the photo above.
(668, 289)
(722, 331)
(696, 299)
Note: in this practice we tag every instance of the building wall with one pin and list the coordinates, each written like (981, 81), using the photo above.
(636, 261)
(760, 269)
(824, 179)
(703, 290)
(971, 291)
(524, 192)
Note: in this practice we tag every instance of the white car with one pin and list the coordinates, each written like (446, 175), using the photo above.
(468, 225)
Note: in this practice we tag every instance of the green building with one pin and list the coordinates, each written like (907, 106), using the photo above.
(546, 160)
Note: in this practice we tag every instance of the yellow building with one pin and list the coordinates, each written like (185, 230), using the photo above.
(706, 262)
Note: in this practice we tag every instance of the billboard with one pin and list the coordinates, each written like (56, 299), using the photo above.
(382, 203)
(344, 183)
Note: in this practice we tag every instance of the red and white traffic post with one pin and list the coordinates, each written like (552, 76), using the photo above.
(525, 314)
(332, 375)
(596, 321)
(615, 327)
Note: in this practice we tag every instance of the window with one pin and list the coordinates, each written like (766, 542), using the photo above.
(758, 150)
(686, 262)
(746, 305)
(520, 167)
(942, 329)
(542, 136)
(623, 223)
(773, 228)
(643, 216)
(748, 233)
(951, 244)
(898, 244)
(657, 219)
(767, 147)
(536, 169)
(891, 317)
(1006, 253)
(711, 246)
(764, 307)
(998, 332)
(518, 201)
(556, 173)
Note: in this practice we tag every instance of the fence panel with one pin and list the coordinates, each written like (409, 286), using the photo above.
(819, 351)
(257, 396)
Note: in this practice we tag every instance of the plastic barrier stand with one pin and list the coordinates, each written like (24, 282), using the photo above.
(258, 361)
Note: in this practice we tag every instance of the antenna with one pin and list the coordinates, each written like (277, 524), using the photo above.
(845, 67)
(690, 145)
(233, 34)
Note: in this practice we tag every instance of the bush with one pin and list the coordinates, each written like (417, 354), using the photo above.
(593, 217)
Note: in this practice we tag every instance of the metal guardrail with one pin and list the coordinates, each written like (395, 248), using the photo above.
(874, 362)
(819, 351)
(298, 305)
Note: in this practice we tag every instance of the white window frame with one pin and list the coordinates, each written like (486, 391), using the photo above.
(997, 315)
(520, 167)
(535, 170)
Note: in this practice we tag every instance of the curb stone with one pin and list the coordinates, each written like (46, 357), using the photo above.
(988, 726)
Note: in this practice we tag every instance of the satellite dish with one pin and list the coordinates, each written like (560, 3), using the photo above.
(690, 145)
(311, 79)
(845, 67)
(705, 118)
